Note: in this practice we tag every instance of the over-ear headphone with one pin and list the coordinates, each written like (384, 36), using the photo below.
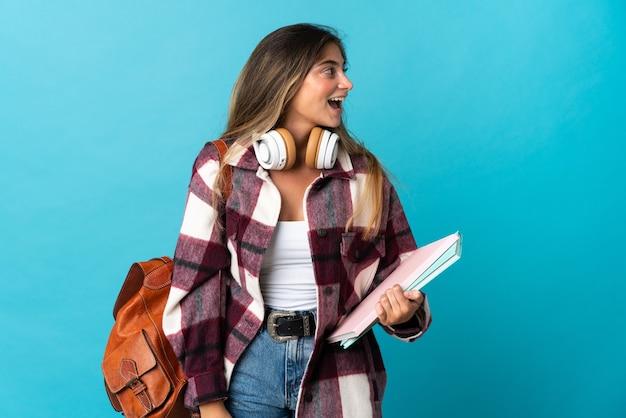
(276, 149)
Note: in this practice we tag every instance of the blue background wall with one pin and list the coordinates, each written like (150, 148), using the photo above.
(504, 120)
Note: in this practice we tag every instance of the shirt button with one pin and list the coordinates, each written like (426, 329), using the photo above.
(357, 255)
(321, 232)
(328, 290)
(308, 397)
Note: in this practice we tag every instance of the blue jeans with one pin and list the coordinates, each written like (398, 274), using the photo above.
(266, 380)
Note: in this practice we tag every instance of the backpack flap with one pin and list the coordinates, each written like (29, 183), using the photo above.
(133, 375)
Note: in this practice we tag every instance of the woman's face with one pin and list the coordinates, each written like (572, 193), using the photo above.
(318, 102)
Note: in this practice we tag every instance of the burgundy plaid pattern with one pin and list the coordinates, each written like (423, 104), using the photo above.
(210, 317)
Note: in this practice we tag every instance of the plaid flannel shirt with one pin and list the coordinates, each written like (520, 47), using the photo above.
(210, 318)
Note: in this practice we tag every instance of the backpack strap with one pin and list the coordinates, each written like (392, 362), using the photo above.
(226, 185)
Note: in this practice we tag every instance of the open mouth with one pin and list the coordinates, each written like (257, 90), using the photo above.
(336, 102)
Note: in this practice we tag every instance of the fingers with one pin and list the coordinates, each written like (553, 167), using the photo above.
(394, 298)
(396, 306)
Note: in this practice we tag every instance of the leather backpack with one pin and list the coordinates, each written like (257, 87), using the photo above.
(142, 375)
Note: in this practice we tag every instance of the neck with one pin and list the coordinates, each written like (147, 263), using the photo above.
(299, 131)
(300, 134)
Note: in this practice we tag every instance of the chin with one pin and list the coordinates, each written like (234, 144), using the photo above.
(331, 125)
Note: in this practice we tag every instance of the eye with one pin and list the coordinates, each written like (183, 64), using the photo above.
(334, 71)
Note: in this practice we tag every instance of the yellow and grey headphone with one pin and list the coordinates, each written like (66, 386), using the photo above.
(276, 149)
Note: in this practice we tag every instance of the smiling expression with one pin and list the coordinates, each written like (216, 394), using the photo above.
(319, 100)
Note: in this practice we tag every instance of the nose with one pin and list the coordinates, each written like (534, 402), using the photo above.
(345, 82)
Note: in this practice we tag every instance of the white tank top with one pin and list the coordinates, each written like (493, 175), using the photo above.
(287, 279)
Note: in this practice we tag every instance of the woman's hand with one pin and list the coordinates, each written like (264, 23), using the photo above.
(215, 409)
(397, 306)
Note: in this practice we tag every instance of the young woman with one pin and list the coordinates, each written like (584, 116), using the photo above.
(263, 277)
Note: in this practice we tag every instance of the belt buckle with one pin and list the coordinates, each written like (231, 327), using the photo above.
(272, 325)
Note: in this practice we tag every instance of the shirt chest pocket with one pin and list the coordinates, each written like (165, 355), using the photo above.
(249, 239)
(360, 259)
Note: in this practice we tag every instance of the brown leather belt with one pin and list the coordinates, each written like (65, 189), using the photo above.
(284, 325)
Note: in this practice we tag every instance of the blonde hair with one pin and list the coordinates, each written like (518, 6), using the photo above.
(268, 82)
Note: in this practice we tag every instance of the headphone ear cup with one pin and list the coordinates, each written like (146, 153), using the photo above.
(290, 147)
(321, 150)
(276, 150)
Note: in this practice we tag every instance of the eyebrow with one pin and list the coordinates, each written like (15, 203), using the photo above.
(330, 62)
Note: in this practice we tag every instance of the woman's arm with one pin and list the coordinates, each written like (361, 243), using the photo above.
(405, 315)
(192, 316)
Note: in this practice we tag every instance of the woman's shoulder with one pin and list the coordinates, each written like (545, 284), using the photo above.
(213, 150)
(209, 150)
(350, 161)
(362, 162)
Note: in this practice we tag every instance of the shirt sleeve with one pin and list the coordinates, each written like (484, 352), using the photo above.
(414, 327)
(400, 242)
(193, 316)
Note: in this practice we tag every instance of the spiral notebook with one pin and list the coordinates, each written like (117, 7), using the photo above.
(414, 272)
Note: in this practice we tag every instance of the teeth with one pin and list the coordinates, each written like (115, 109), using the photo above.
(337, 99)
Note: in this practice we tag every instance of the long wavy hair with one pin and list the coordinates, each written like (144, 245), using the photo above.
(265, 87)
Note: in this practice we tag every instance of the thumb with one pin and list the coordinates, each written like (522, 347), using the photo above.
(414, 295)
